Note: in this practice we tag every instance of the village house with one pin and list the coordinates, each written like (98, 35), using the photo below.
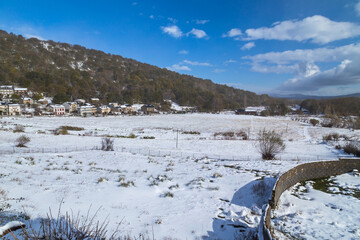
(104, 110)
(6, 90)
(43, 101)
(3, 109)
(14, 109)
(20, 91)
(57, 109)
(126, 108)
(86, 110)
(148, 109)
(80, 101)
(94, 100)
(70, 107)
(256, 111)
(113, 105)
(27, 100)
(116, 110)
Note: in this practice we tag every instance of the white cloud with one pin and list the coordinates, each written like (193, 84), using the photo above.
(303, 64)
(308, 55)
(178, 67)
(201, 22)
(173, 20)
(248, 46)
(34, 36)
(195, 63)
(346, 73)
(197, 33)
(151, 16)
(184, 52)
(234, 33)
(317, 29)
(173, 31)
(357, 8)
(230, 61)
(218, 70)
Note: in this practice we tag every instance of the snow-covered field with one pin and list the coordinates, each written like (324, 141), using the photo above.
(185, 183)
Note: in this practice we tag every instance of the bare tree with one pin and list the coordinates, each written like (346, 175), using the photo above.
(22, 140)
(107, 144)
(269, 143)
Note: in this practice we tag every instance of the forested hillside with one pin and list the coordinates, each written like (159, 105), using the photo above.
(78, 72)
(339, 106)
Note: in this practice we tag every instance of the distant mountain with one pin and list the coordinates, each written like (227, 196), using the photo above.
(73, 71)
(304, 97)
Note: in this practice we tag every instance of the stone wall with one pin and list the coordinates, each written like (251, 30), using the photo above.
(301, 173)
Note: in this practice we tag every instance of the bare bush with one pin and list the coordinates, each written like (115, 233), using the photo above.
(331, 137)
(314, 121)
(352, 147)
(269, 143)
(70, 226)
(61, 131)
(107, 144)
(22, 140)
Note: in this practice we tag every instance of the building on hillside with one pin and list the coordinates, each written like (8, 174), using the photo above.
(3, 109)
(86, 110)
(43, 101)
(94, 100)
(70, 107)
(6, 90)
(126, 109)
(104, 110)
(148, 109)
(14, 109)
(80, 101)
(20, 91)
(57, 109)
(113, 105)
(116, 110)
(27, 100)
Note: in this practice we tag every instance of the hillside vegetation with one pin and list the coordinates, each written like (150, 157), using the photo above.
(77, 72)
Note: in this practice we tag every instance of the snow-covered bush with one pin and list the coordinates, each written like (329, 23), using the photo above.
(107, 144)
(269, 143)
(22, 140)
(19, 128)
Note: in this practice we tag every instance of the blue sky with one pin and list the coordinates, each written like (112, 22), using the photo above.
(279, 46)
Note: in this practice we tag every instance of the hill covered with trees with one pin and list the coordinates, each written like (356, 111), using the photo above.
(73, 71)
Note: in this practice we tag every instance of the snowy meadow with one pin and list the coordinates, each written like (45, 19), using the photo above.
(169, 177)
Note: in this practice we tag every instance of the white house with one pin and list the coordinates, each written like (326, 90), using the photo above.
(86, 110)
(14, 109)
(70, 107)
(58, 109)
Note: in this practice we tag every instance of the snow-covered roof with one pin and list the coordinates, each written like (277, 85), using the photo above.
(57, 106)
(104, 107)
(255, 109)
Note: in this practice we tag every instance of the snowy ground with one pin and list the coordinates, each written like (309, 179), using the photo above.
(321, 209)
(202, 189)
